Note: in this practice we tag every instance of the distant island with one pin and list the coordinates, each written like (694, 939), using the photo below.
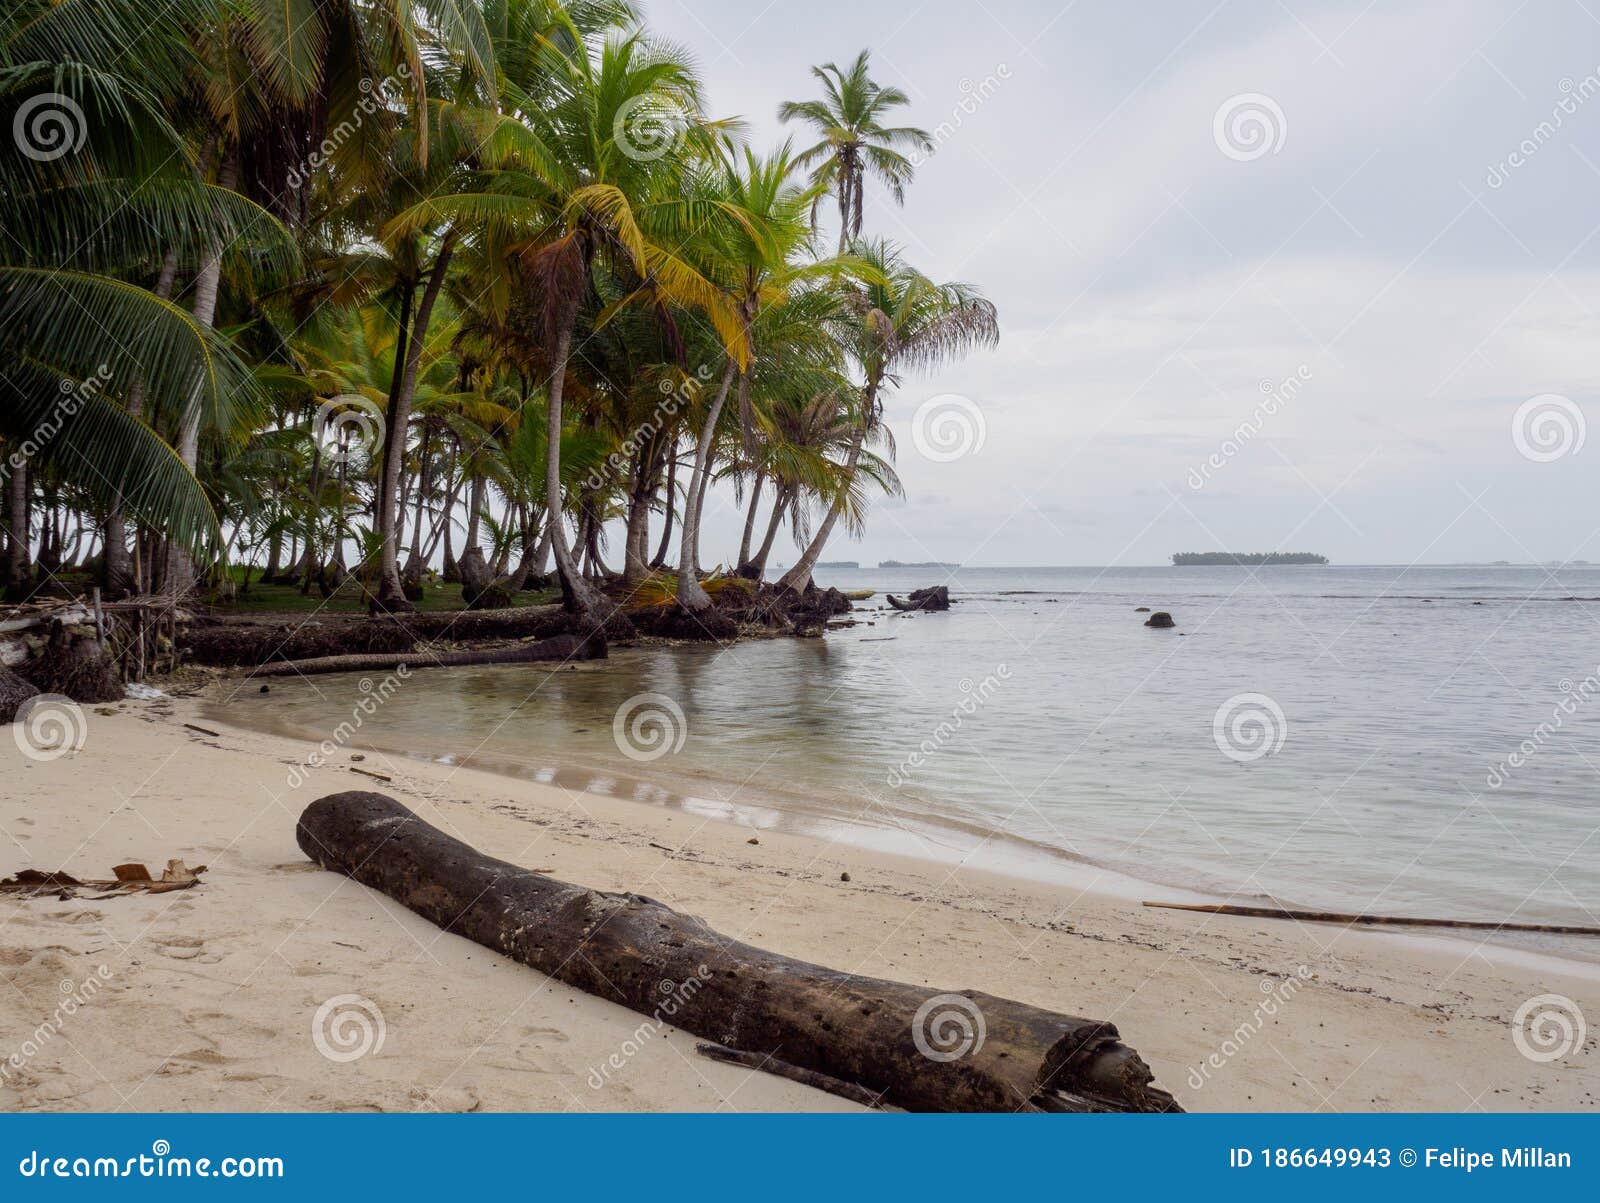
(1189, 559)
(922, 564)
(838, 564)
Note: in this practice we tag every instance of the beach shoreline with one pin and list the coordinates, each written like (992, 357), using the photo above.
(212, 992)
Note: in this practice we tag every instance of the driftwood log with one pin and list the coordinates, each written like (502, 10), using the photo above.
(562, 647)
(936, 597)
(639, 953)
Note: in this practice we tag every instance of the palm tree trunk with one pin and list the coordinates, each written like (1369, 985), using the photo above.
(637, 545)
(690, 595)
(660, 558)
(414, 560)
(757, 568)
(180, 574)
(474, 511)
(578, 594)
(750, 518)
(17, 562)
(116, 569)
(798, 578)
(390, 594)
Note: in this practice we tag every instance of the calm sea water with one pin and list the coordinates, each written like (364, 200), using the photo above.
(1410, 741)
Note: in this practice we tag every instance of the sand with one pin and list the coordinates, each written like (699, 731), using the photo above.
(208, 999)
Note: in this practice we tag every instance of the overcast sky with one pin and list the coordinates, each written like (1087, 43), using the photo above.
(1177, 208)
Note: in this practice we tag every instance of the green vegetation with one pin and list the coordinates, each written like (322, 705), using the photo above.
(344, 292)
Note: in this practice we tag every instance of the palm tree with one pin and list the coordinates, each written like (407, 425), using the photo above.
(577, 194)
(101, 197)
(899, 321)
(853, 142)
(756, 241)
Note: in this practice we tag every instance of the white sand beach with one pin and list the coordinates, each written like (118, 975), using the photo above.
(206, 998)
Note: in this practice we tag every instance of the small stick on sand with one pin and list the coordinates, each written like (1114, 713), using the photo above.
(1273, 912)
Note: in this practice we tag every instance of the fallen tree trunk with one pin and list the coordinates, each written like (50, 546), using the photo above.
(231, 644)
(911, 1046)
(562, 647)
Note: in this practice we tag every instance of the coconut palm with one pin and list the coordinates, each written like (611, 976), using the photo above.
(853, 141)
(100, 199)
(899, 321)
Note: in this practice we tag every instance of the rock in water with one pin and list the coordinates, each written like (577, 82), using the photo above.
(937, 597)
(1141, 609)
(1160, 619)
